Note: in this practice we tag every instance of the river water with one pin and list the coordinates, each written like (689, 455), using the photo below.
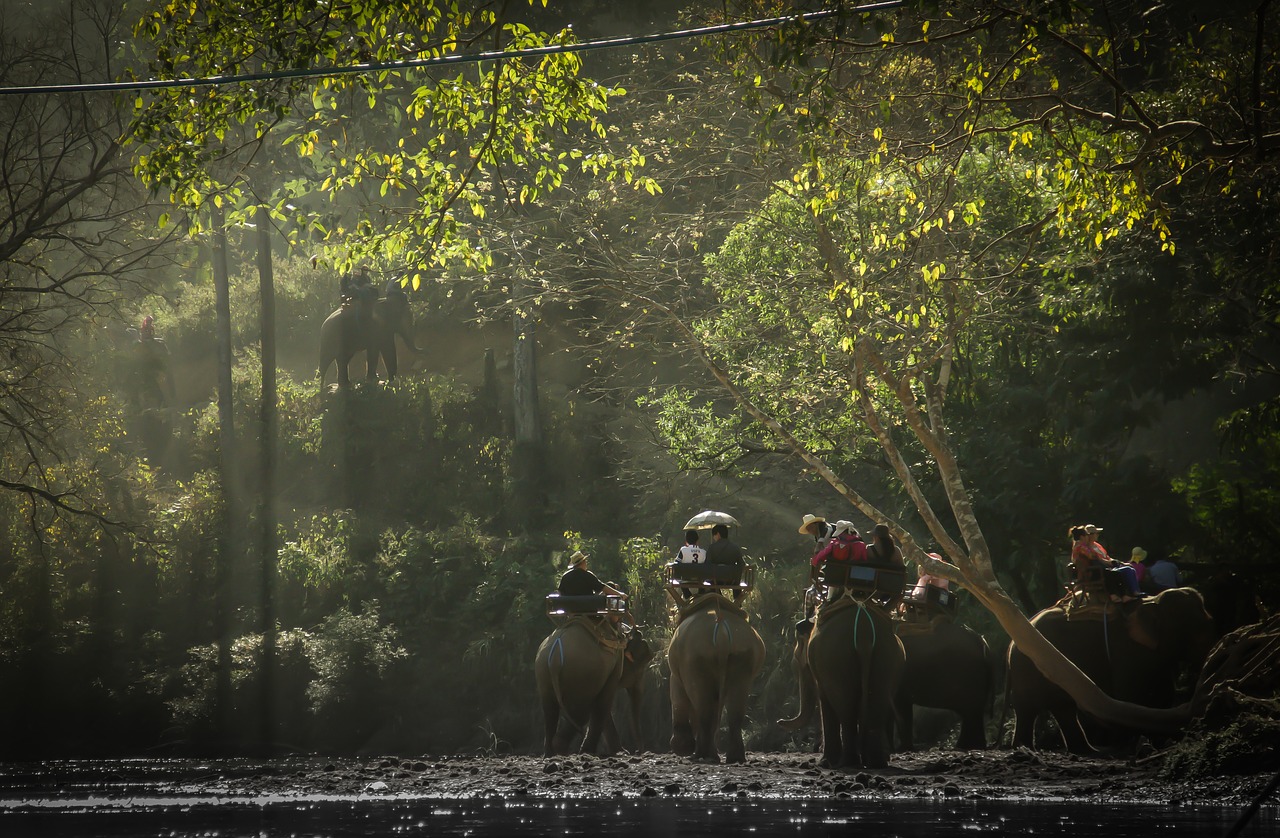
(335, 816)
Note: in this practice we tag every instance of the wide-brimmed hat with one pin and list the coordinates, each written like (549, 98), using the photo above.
(577, 558)
(809, 520)
(1138, 554)
(843, 527)
(1091, 529)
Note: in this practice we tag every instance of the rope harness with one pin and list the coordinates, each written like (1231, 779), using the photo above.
(830, 608)
(605, 635)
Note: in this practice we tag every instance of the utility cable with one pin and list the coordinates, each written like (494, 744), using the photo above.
(444, 60)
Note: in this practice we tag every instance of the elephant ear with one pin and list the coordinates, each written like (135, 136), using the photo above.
(1141, 630)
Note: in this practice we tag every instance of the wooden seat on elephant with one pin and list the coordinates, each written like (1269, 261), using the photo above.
(560, 606)
(1096, 583)
(704, 601)
(861, 579)
(700, 576)
(937, 604)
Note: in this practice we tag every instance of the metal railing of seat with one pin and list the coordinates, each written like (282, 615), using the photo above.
(861, 578)
(937, 601)
(562, 605)
(703, 576)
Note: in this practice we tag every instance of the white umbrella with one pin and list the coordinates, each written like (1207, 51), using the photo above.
(707, 519)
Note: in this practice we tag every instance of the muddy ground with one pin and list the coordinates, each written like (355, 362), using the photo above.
(995, 774)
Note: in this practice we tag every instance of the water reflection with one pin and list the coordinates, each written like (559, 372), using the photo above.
(334, 818)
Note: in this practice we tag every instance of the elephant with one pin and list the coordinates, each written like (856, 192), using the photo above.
(578, 670)
(1134, 654)
(365, 322)
(714, 656)
(635, 668)
(949, 667)
(856, 660)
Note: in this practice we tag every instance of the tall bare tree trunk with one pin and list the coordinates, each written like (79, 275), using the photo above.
(223, 607)
(270, 421)
(528, 455)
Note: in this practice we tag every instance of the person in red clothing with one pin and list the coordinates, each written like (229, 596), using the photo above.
(846, 545)
(1086, 552)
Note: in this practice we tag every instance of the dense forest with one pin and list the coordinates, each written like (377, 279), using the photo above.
(979, 270)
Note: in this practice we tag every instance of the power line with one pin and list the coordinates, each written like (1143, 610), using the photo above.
(470, 58)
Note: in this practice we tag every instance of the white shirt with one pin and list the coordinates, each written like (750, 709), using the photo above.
(692, 554)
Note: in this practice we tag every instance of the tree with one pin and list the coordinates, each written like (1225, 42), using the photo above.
(1087, 130)
(69, 249)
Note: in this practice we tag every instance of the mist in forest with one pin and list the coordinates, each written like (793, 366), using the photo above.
(190, 567)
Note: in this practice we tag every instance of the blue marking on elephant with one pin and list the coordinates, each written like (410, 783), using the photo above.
(716, 631)
(558, 643)
(857, 618)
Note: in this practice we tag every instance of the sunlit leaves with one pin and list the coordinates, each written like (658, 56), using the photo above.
(455, 141)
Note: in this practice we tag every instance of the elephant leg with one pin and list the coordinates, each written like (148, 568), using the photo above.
(904, 716)
(682, 743)
(601, 722)
(1072, 734)
(875, 727)
(612, 742)
(550, 722)
(735, 710)
(831, 747)
(973, 729)
(389, 358)
(344, 377)
(850, 749)
(1024, 727)
(706, 721)
(636, 699)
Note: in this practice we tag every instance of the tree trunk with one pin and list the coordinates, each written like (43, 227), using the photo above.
(970, 564)
(269, 419)
(527, 466)
(222, 607)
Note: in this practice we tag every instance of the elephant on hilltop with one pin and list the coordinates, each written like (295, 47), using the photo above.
(1134, 652)
(714, 656)
(365, 322)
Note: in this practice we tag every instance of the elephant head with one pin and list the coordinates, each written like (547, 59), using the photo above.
(1175, 626)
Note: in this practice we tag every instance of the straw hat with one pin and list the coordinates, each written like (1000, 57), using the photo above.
(577, 558)
(1138, 555)
(808, 520)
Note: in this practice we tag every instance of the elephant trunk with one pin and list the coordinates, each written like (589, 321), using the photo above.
(808, 691)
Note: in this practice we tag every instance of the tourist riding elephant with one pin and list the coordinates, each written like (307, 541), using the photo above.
(366, 323)
(1132, 653)
(714, 655)
(578, 669)
(856, 660)
(949, 667)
